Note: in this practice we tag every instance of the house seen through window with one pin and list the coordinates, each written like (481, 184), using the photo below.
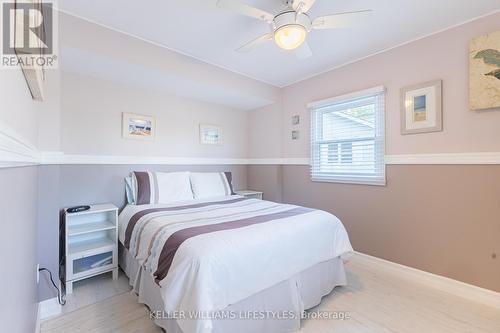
(348, 138)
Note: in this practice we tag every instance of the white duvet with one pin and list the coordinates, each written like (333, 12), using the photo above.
(213, 270)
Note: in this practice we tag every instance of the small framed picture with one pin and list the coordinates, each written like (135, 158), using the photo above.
(295, 135)
(296, 120)
(421, 108)
(210, 134)
(138, 127)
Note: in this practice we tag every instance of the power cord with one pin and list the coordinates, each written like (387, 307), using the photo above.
(60, 298)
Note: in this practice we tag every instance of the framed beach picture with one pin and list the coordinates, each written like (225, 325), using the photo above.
(421, 108)
(210, 134)
(139, 127)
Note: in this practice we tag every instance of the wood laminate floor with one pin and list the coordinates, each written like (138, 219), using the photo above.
(375, 299)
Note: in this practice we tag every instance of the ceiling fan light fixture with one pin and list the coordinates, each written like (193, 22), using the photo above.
(289, 28)
(290, 36)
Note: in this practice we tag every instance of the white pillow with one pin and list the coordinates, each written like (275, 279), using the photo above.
(161, 187)
(173, 186)
(210, 184)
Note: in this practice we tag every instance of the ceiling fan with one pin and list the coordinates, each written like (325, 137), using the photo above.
(289, 28)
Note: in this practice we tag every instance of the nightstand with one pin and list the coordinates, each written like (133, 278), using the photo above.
(91, 243)
(250, 194)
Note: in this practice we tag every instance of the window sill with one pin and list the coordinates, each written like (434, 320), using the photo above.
(351, 181)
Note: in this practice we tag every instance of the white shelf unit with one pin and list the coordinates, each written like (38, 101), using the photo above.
(91, 243)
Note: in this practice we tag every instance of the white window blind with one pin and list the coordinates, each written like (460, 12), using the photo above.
(347, 143)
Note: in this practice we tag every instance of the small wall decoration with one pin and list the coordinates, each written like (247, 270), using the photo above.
(295, 135)
(139, 127)
(210, 134)
(421, 108)
(296, 120)
(484, 72)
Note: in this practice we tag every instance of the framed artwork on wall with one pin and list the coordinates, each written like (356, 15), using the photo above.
(484, 72)
(210, 134)
(138, 127)
(421, 108)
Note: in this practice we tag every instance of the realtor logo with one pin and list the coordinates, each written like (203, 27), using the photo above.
(28, 34)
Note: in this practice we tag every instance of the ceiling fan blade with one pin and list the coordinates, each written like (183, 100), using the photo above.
(245, 10)
(303, 52)
(302, 5)
(254, 43)
(341, 20)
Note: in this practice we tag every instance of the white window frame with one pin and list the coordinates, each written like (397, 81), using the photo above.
(377, 178)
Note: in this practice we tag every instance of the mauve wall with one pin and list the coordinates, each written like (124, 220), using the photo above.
(71, 185)
(18, 245)
(442, 219)
(268, 179)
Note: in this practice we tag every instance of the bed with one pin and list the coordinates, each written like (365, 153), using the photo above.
(229, 263)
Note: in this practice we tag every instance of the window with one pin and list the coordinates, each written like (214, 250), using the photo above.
(347, 143)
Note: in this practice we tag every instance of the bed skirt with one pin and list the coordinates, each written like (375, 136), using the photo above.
(265, 312)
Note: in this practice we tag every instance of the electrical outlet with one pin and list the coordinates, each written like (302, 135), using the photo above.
(37, 273)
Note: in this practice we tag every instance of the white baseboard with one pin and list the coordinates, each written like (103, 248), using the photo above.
(49, 308)
(451, 286)
(37, 322)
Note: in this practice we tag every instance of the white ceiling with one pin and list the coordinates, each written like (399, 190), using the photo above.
(199, 29)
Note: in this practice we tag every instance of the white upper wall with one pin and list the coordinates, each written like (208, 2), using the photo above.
(18, 110)
(21, 116)
(91, 121)
(106, 73)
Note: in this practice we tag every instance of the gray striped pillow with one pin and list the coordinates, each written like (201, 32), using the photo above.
(229, 178)
(144, 187)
